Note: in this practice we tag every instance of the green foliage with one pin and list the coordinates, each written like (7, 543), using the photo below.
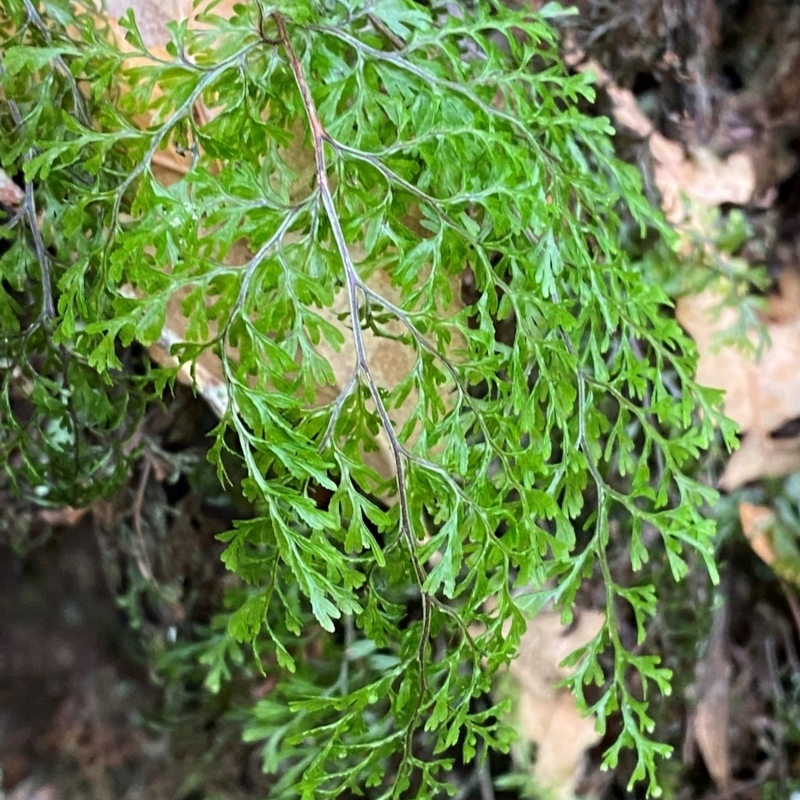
(344, 139)
(714, 260)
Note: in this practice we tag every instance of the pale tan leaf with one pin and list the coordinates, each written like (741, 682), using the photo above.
(776, 545)
(712, 713)
(762, 392)
(785, 306)
(10, 194)
(67, 516)
(760, 456)
(757, 522)
(389, 360)
(152, 16)
(546, 715)
(698, 177)
(626, 111)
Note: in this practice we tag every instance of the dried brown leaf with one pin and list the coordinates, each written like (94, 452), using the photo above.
(760, 456)
(757, 522)
(10, 194)
(762, 393)
(709, 725)
(546, 715)
(66, 516)
(699, 177)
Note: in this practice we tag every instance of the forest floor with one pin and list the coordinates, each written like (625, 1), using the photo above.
(706, 98)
